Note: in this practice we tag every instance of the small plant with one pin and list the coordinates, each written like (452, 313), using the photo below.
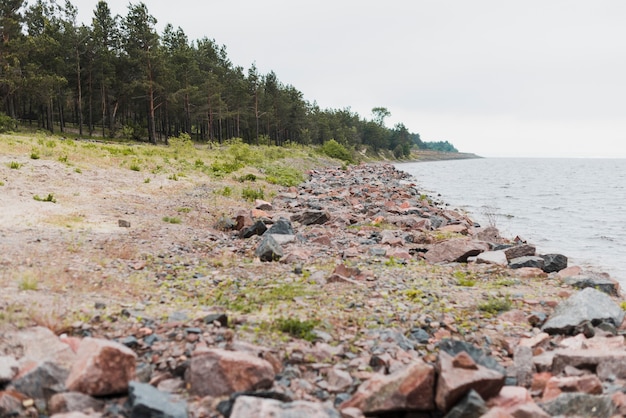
(78, 170)
(135, 166)
(226, 191)
(297, 328)
(247, 177)
(15, 165)
(495, 305)
(173, 177)
(284, 176)
(183, 210)
(252, 194)
(1, 183)
(172, 219)
(49, 198)
(463, 279)
(199, 163)
(623, 305)
(146, 180)
(34, 155)
(63, 159)
(28, 282)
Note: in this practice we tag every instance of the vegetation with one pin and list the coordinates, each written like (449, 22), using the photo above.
(49, 198)
(297, 328)
(119, 78)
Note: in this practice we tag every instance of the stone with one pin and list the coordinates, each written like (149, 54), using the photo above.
(599, 282)
(454, 229)
(492, 257)
(523, 365)
(338, 380)
(102, 368)
(454, 383)
(262, 205)
(419, 335)
(123, 223)
(147, 401)
(522, 250)
(409, 389)
(454, 347)
(281, 239)
(217, 372)
(472, 405)
(312, 217)
(488, 234)
(580, 405)
(243, 220)
(526, 261)
(281, 227)
(587, 305)
(464, 361)
(605, 362)
(251, 406)
(39, 380)
(73, 401)
(569, 272)
(584, 384)
(554, 262)
(40, 345)
(8, 369)
(11, 403)
(220, 318)
(258, 228)
(224, 223)
(269, 250)
(455, 250)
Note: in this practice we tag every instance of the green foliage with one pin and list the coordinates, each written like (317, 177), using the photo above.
(334, 149)
(247, 177)
(495, 305)
(34, 155)
(49, 198)
(252, 194)
(172, 219)
(464, 279)
(284, 176)
(28, 282)
(181, 143)
(222, 168)
(183, 210)
(7, 124)
(297, 328)
(226, 191)
(135, 166)
(14, 165)
(1, 183)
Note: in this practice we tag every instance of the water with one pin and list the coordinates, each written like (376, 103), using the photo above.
(576, 207)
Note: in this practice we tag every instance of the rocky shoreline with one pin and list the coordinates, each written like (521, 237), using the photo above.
(418, 313)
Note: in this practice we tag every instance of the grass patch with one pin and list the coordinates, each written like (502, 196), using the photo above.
(247, 177)
(14, 165)
(34, 155)
(225, 191)
(28, 282)
(297, 328)
(495, 305)
(172, 219)
(183, 210)
(252, 194)
(464, 279)
(49, 198)
(284, 176)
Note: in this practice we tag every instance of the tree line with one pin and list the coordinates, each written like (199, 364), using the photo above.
(119, 77)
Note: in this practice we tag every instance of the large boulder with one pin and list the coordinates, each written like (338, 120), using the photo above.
(554, 262)
(455, 250)
(587, 306)
(269, 249)
(527, 261)
(147, 401)
(602, 282)
(521, 250)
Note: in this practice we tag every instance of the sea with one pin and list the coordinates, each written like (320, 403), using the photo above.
(574, 207)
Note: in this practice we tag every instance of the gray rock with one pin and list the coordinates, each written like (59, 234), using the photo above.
(42, 381)
(587, 305)
(472, 405)
(419, 335)
(454, 347)
(269, 249)
(523, 366)
(281, 227)
(250, 406)
(8, 369)
(554, 262)
(580, 405)
(522, 250)
(492, 257)
(73, 401)
(312, 217)
(526, 261)
(596, 281)
(147, 401)
(258, 228)
(221, 318)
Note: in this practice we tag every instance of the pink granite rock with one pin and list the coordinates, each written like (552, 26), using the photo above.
(102, 368)
(217, 372)
(455, 250)
(251, 406)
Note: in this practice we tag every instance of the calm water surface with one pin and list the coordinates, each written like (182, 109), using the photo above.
(575, 207)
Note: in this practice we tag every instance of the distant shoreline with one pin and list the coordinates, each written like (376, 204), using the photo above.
(426, 155)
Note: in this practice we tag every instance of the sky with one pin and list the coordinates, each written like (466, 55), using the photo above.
(532, 78)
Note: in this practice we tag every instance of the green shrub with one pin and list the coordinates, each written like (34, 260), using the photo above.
(495, 305)
(247, 177)
(285, 176)
(15, 165)
(334, 149)
(49, 198)
(252, 194)
(34, 155)
(297, 328)
(181, 142)
(171, 219)
(7, 123)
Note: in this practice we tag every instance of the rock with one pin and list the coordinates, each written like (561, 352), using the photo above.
(587, 305)
(455, 250)
(224, 223)
(258, 228)
(225, 407)
(11, 403)
(263, 205)
(40, 344)
(73, 401)
(102, 368)
(312, 217)
(146, 401)
(488, 234)
(250, 406)
(569, 272)
(517, 402)
(523, 366)
(522, 250)
(599, 282)
(580, 405)
(409, 389)
(554, 262)
(453, 229)
(605, 362)
(218, 372)
(40, 380)
(584, 384)
(220, 318)
(281, 227)
(454, 347)
(419, 335)
(123, 223)
(526, 261)
(269, 250)
(472, 405)
(454, 383)
(8, 369)
(492, 257)
(338, 380)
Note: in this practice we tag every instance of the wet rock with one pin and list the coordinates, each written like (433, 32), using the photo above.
(40, 380)
(102, 368)
(526, 261)
(258, 228)
(8, 368)
(587, 305)
(146, 401)
(312, 217)
(218, 372)
(455, 250)
(580, 404)
(409, 389)
(250, 406)
(73, 401)
(454, 382)
(595, 281)
(269, 250)
(281, 227)
(472, 405)
(522, 250)
(554, 262)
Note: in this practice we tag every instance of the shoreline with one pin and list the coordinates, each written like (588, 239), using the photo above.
(357, 265)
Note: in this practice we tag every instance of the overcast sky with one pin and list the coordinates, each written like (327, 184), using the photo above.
(498, 78)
